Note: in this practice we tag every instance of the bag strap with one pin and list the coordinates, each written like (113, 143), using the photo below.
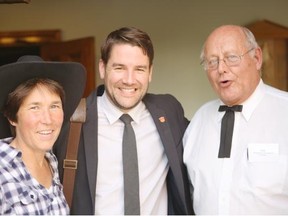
(70, 162)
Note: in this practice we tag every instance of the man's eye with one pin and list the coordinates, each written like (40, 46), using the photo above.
(213, 62)
(118, 68)
(232, 58)
(140, 69)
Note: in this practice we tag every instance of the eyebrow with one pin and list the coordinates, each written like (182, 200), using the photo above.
(39, 103)
(122, 65)
(142, 66)
(117, 64)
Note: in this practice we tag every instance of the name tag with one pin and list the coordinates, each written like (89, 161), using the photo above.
(263, 152)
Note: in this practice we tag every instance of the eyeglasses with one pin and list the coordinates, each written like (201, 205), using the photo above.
(230, 60)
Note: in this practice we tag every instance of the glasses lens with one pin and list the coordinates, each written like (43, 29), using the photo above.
(232, 60)
(211, 64)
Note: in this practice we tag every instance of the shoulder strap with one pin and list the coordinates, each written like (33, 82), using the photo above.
(70, 162)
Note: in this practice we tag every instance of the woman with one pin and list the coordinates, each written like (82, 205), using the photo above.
(35, 109)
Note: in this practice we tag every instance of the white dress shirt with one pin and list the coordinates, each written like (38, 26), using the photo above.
(254, 180)
(152, 161)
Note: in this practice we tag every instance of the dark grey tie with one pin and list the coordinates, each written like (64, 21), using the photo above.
(227, 126)
(130, 169)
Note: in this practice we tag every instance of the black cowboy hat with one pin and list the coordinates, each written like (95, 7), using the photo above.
(71, 75)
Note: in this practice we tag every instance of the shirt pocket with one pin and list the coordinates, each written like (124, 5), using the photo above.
(18, 197)
(267, 177)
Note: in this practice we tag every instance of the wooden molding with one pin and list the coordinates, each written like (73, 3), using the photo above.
(14, 1)
(21, 38)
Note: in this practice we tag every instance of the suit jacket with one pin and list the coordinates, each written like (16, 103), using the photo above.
(171, 132)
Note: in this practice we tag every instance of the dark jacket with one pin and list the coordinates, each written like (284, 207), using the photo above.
(171, 132)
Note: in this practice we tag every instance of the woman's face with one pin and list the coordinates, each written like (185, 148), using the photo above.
(39, 120)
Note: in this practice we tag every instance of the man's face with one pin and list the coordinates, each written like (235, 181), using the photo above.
(234, 84)
(126, 76)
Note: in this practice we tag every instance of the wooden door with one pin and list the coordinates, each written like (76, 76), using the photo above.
(49, 45)
(79, 50)
(273, 39)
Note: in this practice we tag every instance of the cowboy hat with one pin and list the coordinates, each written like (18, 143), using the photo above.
(71, 75)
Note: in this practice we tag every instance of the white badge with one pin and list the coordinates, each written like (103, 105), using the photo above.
(263, 152)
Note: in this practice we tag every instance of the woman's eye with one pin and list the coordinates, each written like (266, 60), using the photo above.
(34, 107)
(56, 106)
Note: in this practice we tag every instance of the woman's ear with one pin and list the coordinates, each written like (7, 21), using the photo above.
(12, 123)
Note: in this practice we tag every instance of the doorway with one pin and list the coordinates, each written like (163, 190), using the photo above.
(49, 45)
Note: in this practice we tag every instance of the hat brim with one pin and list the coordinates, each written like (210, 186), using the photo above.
(71, 75)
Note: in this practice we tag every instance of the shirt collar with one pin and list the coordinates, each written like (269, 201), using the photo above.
(113, 113)
(251, 103)
(10, 152)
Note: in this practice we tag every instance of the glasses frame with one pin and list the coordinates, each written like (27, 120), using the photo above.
(203, 63)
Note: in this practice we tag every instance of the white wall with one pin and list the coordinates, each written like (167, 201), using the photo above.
(177, 27)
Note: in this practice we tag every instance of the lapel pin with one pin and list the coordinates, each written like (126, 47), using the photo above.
(162, 119)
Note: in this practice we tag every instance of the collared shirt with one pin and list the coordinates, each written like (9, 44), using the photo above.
(152, 161)
(254, 180)
(20, 193)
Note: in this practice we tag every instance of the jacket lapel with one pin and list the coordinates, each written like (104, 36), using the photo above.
(164, 129)
(90, 133)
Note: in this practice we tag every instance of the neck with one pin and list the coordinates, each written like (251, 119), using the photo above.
(36, 164)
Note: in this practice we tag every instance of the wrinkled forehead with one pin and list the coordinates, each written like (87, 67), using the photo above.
(225, 39)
